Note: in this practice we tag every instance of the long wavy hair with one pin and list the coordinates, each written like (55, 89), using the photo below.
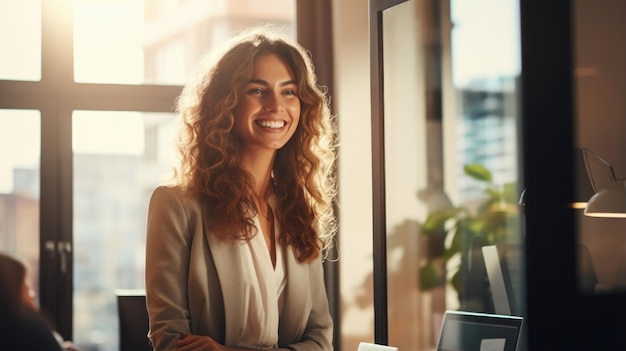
(305, 185)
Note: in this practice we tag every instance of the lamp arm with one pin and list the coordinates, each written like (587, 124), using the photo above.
(588, 153)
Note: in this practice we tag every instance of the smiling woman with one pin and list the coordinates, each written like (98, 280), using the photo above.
(249, 216)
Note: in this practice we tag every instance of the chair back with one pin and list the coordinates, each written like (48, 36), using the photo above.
(133, 320)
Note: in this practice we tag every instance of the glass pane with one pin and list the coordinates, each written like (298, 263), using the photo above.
(20, 132)
(20, 39)
(119, 157)
(160, 41)
(485, 171)
(409, 309)
(483, 177)
(451, 166)
(600, 86)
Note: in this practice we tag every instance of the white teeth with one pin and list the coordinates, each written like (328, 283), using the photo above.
(272, 124)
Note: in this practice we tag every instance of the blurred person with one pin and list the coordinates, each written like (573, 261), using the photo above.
(21, 325)
(20, 314)
(235, 243)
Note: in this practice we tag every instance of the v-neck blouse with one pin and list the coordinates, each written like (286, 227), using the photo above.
(263, 287)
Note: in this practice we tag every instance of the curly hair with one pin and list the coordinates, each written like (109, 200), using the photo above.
(305, 185)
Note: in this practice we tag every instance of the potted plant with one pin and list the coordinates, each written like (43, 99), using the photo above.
(455, 234)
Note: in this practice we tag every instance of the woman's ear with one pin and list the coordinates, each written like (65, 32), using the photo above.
(29, 296)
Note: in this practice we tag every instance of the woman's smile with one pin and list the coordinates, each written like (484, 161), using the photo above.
(271, 124)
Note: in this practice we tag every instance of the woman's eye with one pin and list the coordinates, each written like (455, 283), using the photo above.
(255, 91)
(290, 92)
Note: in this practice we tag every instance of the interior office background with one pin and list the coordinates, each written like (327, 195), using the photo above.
(110, 187)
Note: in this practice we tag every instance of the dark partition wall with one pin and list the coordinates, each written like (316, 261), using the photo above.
(560, 315)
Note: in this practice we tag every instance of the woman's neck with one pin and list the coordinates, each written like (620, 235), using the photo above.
(260, 168)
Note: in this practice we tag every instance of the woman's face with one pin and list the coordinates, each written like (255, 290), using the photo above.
(268, 111)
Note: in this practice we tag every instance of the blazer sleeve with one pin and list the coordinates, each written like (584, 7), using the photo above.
(319, 328)
(318, 331)
(168, 240)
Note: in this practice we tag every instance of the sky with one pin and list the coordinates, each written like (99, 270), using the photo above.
(486, 37)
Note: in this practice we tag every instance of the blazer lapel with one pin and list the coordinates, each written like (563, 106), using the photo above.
(297, 300)
(227, 260)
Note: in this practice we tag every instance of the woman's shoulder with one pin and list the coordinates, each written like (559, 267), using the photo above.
(168, 190)
(171, 191)
(173, 194)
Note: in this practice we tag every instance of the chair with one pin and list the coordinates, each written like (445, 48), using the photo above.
(133, 320)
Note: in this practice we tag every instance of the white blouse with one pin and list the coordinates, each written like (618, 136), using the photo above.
(263, 297)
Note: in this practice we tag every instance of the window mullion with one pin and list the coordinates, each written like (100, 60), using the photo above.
(57, 52)
(55, 207)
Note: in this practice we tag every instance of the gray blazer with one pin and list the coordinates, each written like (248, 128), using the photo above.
(193, 282)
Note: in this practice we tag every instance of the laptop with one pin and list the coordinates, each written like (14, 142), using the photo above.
(365, 346)
(470, 331)
(502, 264)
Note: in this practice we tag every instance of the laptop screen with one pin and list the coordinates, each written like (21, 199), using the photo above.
(467, 331)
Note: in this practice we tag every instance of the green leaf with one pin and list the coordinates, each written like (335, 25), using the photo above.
(436, 221)
(430, 277)
(456, 245)
(493, 193)
(471, 227)
(510, 193)
(455, 281)
(463, 237)
(478, 172)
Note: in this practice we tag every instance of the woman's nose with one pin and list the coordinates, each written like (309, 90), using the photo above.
(271, 103)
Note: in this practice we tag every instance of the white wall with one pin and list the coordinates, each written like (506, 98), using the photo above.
(352, 102)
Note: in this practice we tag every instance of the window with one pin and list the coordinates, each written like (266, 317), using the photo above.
(86, 109)
(19, 188)
(21, 45)
(445, 104)
(119, 157)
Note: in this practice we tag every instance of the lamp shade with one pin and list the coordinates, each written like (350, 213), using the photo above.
(584, 190)
(608, 202)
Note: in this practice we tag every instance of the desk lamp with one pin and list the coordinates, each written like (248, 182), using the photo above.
(609, 201)
(583, 191)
